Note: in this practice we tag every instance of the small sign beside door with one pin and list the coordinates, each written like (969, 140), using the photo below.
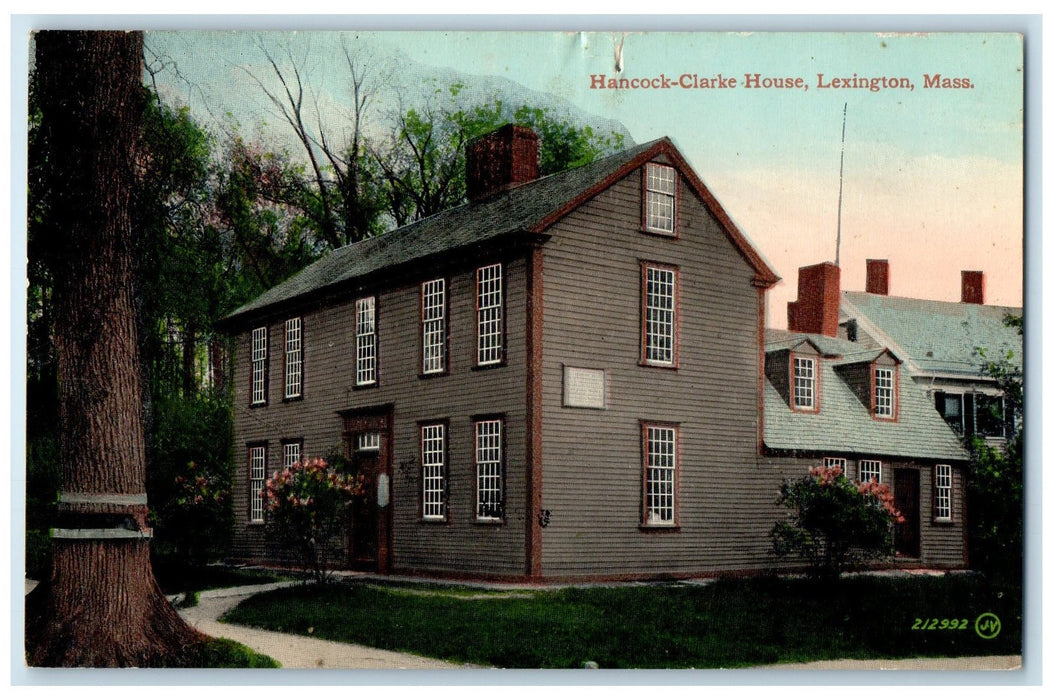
(383, 490)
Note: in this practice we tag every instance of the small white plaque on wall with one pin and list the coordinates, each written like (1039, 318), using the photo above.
(584, 388)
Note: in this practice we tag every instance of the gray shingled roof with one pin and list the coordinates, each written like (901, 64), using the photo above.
(514, 210)
(940, 337)
(844, 424)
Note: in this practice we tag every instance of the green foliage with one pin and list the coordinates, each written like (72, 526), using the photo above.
(226, 653)
(725, 624)
(307, 506)
(834, 525)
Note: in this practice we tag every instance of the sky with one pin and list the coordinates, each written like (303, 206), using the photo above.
(933, 177)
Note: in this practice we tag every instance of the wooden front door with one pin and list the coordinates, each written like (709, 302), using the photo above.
(906, 492)
(367, 438)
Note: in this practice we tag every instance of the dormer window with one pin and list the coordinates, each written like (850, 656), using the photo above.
(660, 199)
(885, 393)
(804, 384)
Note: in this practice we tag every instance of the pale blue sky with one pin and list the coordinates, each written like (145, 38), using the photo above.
(933, 178)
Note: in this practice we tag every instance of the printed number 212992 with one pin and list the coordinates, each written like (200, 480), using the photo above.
(934, 623)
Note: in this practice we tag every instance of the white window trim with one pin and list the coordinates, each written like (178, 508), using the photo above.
(489, 466)
(433, 326)
(841, 462)
(872, 466)
(366, 341)
(489, 288)
(257, 480)
(660, 475)
(885, 394)
(259, 366)
(660, 289)
(660, 184)
(294, 358)
(433, 471)
(804, 383)
(292, 452)
(368, 442)
(944, 492)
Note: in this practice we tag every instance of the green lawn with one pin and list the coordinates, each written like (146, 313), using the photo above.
(729, 623)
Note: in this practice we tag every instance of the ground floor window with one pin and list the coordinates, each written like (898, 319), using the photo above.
(489, 478)
(433, 466)
(836, 462)
(870, 470)
(943, 492)
(257, 476)
(660, 456)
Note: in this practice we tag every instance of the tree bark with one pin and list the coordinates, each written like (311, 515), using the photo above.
(101, 606)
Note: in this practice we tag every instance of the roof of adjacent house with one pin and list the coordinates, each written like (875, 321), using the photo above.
(938, 337)
(531, 207)
(843, 423)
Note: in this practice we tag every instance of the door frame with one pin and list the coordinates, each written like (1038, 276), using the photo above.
(375, 419)
(913, 517)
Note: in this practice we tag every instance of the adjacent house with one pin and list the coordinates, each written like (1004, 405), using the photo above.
(565, 379)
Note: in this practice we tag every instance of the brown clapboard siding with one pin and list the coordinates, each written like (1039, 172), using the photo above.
(592, 458)
(459, 545)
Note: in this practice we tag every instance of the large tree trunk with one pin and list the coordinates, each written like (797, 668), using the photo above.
(102, 606)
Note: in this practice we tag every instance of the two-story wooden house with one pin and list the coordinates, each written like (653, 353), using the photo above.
(560, 379)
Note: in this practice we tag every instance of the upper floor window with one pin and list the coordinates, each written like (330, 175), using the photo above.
(257, 478)
(365, 341)
(489, 477)
(490, 304)
(990, 415)
(433, 471)
(660, 199)
(804, 384)
(293, 358)
(259, 365)
(660, 455)
(659, 315)
(942, 502)
(952, 408)
(884, 392)
(433, 326)
(870, 470)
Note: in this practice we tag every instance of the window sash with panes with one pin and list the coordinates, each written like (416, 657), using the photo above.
(869, 470)
(291, 453)
(365, 341)
(804, 383)
(257, 479)
(433, 467)
(660, 316)
(490, 304)
(661, 199)
(489, 483)
(293, 358)
(259, 365)
(839, 462)
(433, 326)
(952, 408)
(884, 392)
(943, 492)
(660, 476)
(368, 442)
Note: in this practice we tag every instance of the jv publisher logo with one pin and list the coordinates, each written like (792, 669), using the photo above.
(988, 626)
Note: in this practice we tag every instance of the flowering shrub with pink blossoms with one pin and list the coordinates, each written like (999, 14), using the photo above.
(307, 506)
(835, 524)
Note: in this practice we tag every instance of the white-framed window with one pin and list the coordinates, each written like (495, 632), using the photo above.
(952, 407)
(365, 341)
(661, 199)
(490, 304)
(489, 479)
(884, 392)
(659, 322)
(259, 365)
(293, 358)
(869, 470)
(836, 462)
(804, 383)
(943, 492)
(433, 326)
(660, 475)
(368, 442)
(433, 470)
(291, 453)
(257, 479)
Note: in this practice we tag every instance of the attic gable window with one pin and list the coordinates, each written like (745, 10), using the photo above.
(259, 366)
(659, 331)
(293, 358)
(660, 199)
(885, 393)
(365, 341)
(489, 287)
(433, 326)
(804, 384)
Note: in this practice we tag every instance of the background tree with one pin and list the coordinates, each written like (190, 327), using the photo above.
(101, 605)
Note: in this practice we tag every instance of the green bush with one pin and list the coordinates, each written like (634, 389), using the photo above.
(835, 524)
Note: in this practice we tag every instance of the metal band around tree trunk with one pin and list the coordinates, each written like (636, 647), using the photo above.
(112, 499)
(116, 533)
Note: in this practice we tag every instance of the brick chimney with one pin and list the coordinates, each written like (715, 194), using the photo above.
(818, 302)
(973, 286)
(500, 159)
(877, 277)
